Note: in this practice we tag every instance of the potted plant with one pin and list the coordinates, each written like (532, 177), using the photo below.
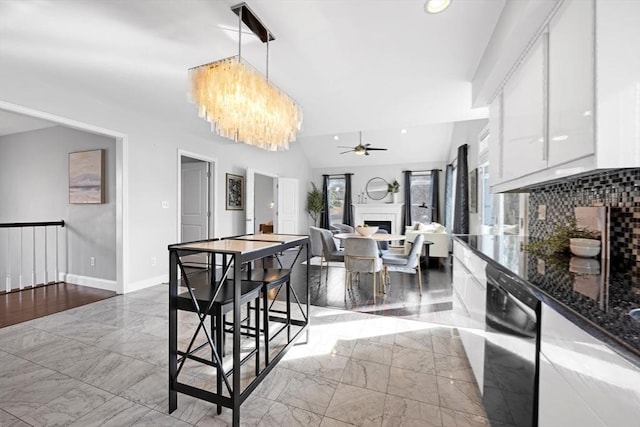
(393, 188)
(558, 241)
(314, 204)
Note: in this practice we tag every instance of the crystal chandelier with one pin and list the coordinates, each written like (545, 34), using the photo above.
(239, 102)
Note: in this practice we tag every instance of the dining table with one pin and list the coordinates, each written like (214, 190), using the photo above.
(386, 237)
(379, 237)
(229, 258)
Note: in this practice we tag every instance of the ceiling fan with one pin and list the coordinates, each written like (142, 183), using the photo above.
(361, 149)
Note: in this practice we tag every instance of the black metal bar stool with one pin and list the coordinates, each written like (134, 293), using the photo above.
(207, 297)
(272, 278)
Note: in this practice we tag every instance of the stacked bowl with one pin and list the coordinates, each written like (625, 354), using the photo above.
(586, 248)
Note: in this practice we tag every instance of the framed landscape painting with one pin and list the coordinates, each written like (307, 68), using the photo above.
(235, 192)
(86, 177)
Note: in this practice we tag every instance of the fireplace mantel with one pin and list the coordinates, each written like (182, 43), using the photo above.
(379, 212)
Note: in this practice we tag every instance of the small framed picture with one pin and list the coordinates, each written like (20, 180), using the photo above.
(86, 177)
(235, 192)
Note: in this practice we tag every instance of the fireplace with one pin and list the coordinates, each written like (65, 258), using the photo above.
(382, 225)
(389, 214)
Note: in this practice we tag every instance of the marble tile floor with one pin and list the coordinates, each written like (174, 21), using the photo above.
(105, 364)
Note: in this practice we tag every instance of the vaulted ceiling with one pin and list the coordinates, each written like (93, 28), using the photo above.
(353, 65)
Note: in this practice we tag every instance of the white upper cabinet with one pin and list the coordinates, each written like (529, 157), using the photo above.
(571, 83)
(618, 83)
(585, 113)
(523, 117)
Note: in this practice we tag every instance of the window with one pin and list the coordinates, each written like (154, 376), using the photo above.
(420, 195)
(487, 218)
(486, 196)
(336, 199)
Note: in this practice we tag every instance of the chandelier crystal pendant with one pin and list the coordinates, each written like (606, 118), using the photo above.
(239, 102)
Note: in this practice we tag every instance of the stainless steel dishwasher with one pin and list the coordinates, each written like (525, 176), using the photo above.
(510, 390)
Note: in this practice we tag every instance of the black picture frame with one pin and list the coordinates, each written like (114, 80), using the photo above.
(234, 192)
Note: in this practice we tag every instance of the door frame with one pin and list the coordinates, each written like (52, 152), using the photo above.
(212, 191)
(122, 179)
(250, 195)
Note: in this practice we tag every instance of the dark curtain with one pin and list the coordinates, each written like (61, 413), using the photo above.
(435, 195)
(461, 217)
(406, 217)
(347, 215)
(448, 200)
(324, 218)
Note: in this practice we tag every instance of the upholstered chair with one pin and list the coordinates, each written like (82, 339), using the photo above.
(329, 250)
(342, 228)
(409, 263)
(361, 255)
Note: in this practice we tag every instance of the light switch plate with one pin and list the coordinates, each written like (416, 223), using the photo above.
(542, 212)
(541, 267)
(165, 205)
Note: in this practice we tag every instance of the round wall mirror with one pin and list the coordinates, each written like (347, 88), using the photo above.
(377, 188)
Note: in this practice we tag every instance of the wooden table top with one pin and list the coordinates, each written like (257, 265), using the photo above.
(276, 238)
(226, 245)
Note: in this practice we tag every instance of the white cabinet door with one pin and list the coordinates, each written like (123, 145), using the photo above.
(571, 82)
(558, 402)
(592, 372)
(523, 117)
(469, 283)
(618, 83)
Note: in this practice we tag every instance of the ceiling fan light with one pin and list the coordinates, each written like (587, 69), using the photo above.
(436, 6)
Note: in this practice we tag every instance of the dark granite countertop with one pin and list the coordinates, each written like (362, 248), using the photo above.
(587, 291)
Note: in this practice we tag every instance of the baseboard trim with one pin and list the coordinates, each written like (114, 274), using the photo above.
(146, 283)
(92, 282)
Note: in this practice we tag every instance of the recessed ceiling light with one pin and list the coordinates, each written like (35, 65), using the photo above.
(403, 131)
(560, 138)
(436, 6)
(587, 113)
(336, 137)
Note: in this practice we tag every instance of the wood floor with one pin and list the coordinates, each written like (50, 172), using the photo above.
(16, 307)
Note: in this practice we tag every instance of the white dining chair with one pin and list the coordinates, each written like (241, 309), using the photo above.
(409, 263)
(361, 255)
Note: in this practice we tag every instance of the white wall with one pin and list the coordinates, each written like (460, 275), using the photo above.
(151, 159)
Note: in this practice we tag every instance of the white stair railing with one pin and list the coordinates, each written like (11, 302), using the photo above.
(19, 258)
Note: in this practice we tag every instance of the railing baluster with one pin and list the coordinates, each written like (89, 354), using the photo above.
(34, 275)
(46, 272)
(57, 278)
(7, 284)
(20, 282)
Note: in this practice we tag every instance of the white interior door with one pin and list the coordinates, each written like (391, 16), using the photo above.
(195, 201)
(249, 201)
(288, 205)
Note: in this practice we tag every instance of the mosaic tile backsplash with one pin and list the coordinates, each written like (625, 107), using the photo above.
(619, 189)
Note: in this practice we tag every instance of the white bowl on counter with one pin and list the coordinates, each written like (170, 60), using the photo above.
(587, 243)
(366, 231)
(584, 247)
(583, 265)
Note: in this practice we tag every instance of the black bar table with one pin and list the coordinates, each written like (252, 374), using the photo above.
(234, 252)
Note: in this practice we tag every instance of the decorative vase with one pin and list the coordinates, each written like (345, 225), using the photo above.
(394, 198)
